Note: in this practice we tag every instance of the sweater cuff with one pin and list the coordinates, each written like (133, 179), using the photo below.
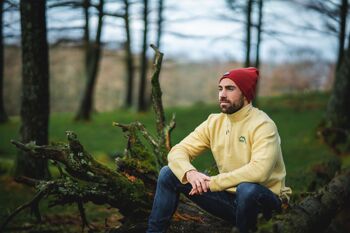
(180, 170)
(213, 186)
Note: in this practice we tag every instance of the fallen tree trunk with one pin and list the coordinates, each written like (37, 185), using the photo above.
(315, 212)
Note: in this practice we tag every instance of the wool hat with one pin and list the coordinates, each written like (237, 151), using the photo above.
(245, 79)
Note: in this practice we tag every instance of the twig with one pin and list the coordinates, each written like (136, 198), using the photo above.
(35, 200)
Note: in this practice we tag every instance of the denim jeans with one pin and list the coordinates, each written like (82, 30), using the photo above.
(240, 208)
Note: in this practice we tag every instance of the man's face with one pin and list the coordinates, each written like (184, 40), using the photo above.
(231, 99)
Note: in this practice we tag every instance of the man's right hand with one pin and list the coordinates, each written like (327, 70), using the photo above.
(199, 182)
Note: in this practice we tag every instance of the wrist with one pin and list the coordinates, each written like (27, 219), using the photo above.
(189, 172)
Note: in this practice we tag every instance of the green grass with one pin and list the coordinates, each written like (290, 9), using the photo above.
(296, 117)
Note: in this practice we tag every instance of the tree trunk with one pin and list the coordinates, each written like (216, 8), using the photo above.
(248, 32)
(129, 62)
(315, 212)
(35, 87)
(160, 22)
(258, 43)
(342, 30)
(86, 106)
(86, 36)
(3, 115)
(142, 104)
(259, 26)
(338, 111)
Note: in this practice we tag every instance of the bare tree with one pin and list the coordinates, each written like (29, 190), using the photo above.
(129, 61)
(259, 31)
(334, 15)
(86, 106)
(258, 44)
(248, 32)
(35, 105)
(143, 100)
(160, 21)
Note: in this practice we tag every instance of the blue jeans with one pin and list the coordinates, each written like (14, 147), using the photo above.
(240, 208)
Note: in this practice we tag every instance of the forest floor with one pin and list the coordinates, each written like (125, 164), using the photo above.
(296, 116)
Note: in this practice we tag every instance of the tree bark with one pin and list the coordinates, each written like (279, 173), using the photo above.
(3, 115)
(86, 106)
(35, 87)
(129, 62)
(315, 212)
(142, 101)
(248, 32)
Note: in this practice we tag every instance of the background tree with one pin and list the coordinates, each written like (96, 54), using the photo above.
(337, 125)
(35, 105)
(143, 100)
(129, 61)
(259, 32)
(3, 115)
(334, 15)
(258, 43)
(86, 106)
(160, 21)
(248, 25)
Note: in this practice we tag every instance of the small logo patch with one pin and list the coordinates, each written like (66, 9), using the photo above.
(242, 139)
(227, 73)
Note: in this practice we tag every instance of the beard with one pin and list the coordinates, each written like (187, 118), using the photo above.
(232, 107)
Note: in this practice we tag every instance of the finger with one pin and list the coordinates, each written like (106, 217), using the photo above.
(199, 186)
(193, 192)
(204, 186)
(193, 184)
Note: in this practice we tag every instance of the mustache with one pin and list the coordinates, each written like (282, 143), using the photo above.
(224, 100)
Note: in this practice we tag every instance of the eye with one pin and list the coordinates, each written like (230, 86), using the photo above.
(230, 88)
(220, 88)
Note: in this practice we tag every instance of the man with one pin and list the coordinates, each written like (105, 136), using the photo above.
(246, 147)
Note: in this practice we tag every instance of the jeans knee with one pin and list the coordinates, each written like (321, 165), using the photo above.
(247, 191)
(164, 174)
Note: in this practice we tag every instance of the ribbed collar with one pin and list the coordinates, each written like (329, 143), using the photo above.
(241, 114)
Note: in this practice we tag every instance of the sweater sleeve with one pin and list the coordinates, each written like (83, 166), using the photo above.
(265, 152)
(181, 155)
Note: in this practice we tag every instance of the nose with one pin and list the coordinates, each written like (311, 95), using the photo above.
(222, 94)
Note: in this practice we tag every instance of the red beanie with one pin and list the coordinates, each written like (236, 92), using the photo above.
(245, 79)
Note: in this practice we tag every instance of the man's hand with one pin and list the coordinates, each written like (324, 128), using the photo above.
(199, 182)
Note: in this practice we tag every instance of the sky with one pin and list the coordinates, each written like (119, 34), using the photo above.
(205, 35)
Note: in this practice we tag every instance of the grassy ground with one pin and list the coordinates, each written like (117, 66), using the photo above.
(296, 117)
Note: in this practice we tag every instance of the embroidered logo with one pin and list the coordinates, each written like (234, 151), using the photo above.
(227, 73)
(242, 139)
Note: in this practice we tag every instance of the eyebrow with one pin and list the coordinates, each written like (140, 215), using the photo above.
(227, 86)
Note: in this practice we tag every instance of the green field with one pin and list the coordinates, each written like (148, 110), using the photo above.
(296, 116)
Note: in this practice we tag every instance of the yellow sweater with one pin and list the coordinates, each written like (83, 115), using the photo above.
(245, 146)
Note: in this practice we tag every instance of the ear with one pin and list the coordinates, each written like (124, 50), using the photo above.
(245, 100)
